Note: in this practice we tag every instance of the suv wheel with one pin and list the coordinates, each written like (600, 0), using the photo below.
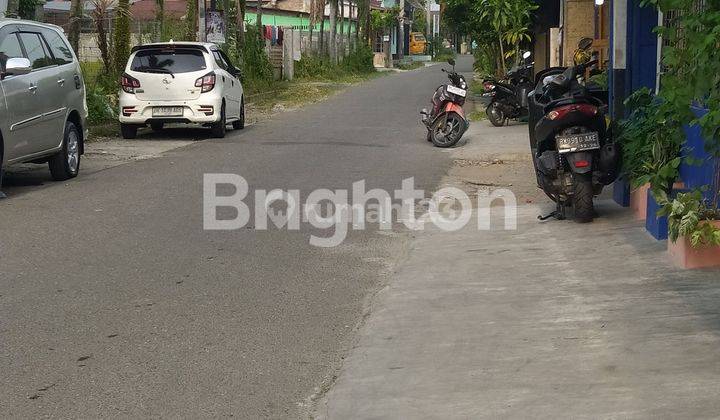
(128, 131)
(66, 164)
(219, 128)
(239, 124)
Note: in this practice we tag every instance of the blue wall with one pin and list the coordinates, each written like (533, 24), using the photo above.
(642, 46)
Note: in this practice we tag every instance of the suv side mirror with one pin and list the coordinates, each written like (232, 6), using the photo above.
(17, 66)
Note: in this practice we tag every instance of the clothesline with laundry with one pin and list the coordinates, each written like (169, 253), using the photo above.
(273, 33)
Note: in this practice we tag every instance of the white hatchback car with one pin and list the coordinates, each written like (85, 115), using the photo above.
(180, 82)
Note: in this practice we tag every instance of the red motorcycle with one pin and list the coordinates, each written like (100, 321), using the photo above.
(446, 122)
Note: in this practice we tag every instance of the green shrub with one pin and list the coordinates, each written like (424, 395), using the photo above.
(360, 60)
(444, 54)
(254, 63)
(101, 89)
(651, 138)
(100, 105)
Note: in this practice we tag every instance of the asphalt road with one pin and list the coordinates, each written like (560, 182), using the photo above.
(115, 302)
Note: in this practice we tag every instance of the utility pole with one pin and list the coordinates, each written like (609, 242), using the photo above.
(201, 20)
(401, 31)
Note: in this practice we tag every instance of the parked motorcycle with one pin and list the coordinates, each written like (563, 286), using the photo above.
(446, 122)
(573, 154)
(509, 99)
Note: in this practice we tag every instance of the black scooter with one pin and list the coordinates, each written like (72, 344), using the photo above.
(573, 154)
(509, 98)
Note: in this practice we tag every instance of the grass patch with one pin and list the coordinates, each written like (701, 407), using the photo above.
(411, 65)
(265, 96)
(477, 115)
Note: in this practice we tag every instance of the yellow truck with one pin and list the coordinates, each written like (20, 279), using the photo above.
(417, 43)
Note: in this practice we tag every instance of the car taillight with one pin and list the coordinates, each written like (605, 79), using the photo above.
(206, 83)
(563, 111)
(129, 83)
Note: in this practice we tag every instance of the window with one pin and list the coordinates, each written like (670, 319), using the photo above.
(231, 66)
(219, 60)
(171, 60)
(59, 48)
(9, 48)
(35, 50)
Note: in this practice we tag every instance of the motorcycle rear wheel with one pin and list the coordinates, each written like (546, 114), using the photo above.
(495, 114)
(447, 130)
(582, 200)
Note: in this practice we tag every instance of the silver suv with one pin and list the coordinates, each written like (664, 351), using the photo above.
(42, 98)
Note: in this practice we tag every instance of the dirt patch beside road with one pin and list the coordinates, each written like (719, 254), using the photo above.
(493, 158)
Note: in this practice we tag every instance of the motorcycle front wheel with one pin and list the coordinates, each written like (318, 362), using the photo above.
(495, 114)
(447, 130)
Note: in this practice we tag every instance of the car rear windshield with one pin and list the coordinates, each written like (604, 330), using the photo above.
(171, 60)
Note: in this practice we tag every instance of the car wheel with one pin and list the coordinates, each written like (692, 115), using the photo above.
(128, 131)
(157, 126)
(240, 123)
(66, 164)
(219, 128)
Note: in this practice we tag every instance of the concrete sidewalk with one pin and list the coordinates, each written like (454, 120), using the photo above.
(554, 320)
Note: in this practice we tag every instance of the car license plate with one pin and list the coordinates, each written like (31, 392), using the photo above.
(578, 142)
(167, 111)
(457, 91)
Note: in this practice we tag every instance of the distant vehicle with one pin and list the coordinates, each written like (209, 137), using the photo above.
(418, 43)
(180, 82)
(42, 100)
(509, 98)
(446, 122)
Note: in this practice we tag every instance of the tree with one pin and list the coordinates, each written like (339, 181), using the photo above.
(121, 36)
(342, 28)
(333, 30)
(100, 15)
(160, 16)
(258, 10)
(191, 20)
(13, 8)
(240, 25)
(76, 14)
(26, 8)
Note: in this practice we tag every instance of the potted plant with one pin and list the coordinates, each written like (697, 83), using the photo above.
(694, 230)
(650, 138)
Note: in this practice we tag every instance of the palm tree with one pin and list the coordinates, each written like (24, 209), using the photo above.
(121, 36)
(100, 15)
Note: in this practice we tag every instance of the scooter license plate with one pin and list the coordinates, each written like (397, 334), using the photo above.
(457, 91)
(578, 142)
